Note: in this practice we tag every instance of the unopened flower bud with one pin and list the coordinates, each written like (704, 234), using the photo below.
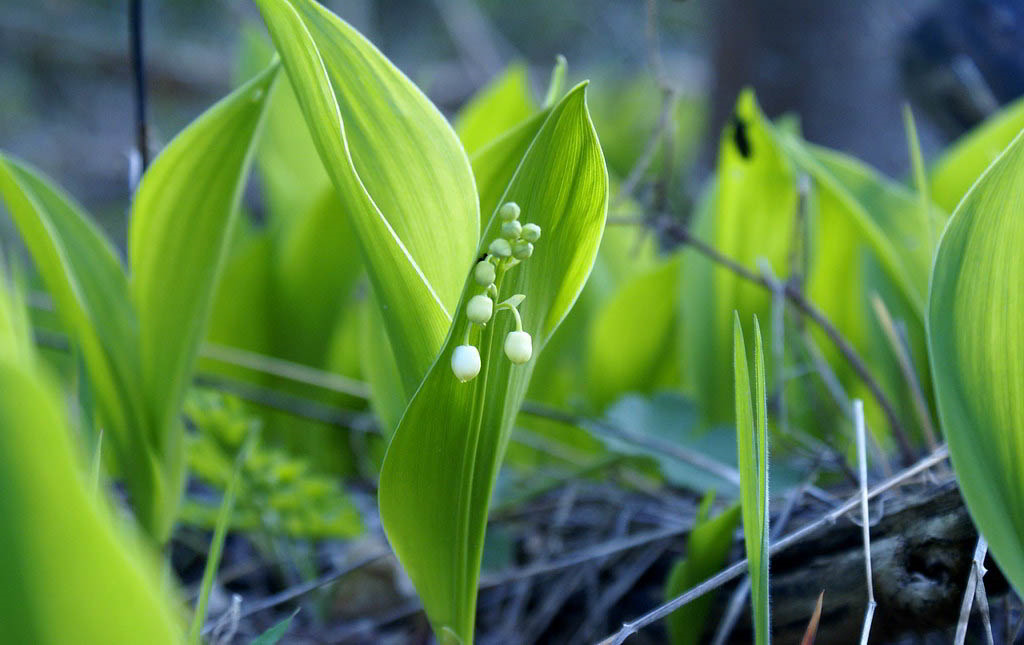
(531, 232)
(501, 248)
(466, 362)
(484, 273)
(509, 211)
(511, 230)
(479, 309)
(518, 347)
(522, 250)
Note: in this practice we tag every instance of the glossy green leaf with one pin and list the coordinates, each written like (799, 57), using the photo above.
(440, 468)
(961, 164)
(752, 442)
(707, 547)
(504, 102)
(398, 167)
(976, 342)
(71, 575)
(631, 342)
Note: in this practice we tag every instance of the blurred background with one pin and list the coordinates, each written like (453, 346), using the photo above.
(844, 68)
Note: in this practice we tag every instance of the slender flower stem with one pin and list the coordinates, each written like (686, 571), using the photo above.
(139, 77)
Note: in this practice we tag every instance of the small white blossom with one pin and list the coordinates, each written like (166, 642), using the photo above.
(518, 347)
(479, 309)
(466, 362)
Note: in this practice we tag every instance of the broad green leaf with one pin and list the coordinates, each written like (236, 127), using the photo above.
(976, 343)
(961, 164)
(398, 167)
(504, 102)
(182, 216)
(752, 442)
(440, 468)
(70, 574)
(631, 342)
(706, 550)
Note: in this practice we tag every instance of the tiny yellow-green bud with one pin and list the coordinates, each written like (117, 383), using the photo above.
(479, 309)
(511, 230)
(500, 247)
(484, 273)
(518, 347)
(522, 250)
(531, 232)
(509, 211)
(466, 362)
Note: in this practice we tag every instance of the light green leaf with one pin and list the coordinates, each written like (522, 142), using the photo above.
(706, 550)
(182, 216)
(398, 167)
(504, 102)
(440, 468)
(631, 342)
(752, 442)
(70, 574)
(961, 164)
(976, 343)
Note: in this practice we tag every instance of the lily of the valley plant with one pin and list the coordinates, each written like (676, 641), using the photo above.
(464, 335)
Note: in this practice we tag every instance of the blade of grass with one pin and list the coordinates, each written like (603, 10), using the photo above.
(220, 532)
(862, 460)
(812, 627)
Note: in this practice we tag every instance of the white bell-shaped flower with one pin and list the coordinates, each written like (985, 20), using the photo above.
(479, 309)
(518, 347)
(466, 362)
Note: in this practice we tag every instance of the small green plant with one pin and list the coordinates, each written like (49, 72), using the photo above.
(752, 442)
(138, 327)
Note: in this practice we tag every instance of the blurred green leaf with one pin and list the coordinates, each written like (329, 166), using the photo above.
(752, 440)
(504, 102)
(958, 168)
(71, 574)
(440, 469)
(399, 170)
(706, 550)
(274, 635)
(976, 342)
(631, 342)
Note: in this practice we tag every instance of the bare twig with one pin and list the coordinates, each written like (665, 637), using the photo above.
(736, 570)
(139, 76)
(862, 460)
(974, 582)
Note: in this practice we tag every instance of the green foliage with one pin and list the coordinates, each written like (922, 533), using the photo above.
(72, 573)
(495, 109)
(706, 550)
(959, 167)
(139, 335)
(274, 635)
(752, 442)
(631, 341)
(277, 494)
(398, 167)
(975, 332)
(854, 234)
(440, 468)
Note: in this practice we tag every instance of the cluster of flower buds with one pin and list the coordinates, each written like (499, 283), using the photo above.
(514, 245)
